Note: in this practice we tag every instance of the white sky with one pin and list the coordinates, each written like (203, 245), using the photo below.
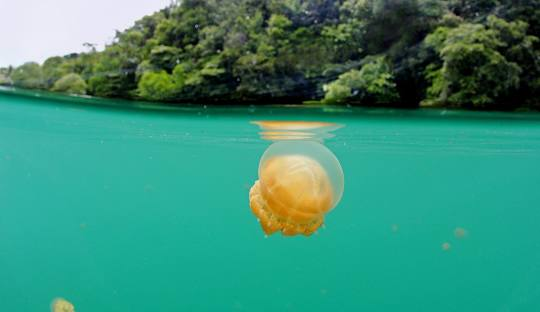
(33, 30)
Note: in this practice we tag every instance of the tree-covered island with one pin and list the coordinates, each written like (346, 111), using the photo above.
(481, 54)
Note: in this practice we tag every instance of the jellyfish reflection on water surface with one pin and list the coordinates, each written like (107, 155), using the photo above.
(300, 180)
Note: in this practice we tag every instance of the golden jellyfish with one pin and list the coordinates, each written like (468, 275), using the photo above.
(460, 232)
(62, 305)
(299, 182)
(446, 246)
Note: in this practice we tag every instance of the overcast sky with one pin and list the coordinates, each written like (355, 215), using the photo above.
(33, 30)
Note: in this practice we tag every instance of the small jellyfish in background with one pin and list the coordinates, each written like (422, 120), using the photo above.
(62, 305)
(460, 233)
(299, 182)
(446, 246)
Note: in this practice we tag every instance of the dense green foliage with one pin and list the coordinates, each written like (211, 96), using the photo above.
(472, 54)
(4, 76)
(156, 86)
(28, 75)
(481, 64)
(71, 83)
(372, 84)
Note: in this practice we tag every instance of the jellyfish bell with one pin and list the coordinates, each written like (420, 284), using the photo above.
(62, 305)
(299, 182)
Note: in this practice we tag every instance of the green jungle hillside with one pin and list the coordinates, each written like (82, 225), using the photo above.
(478, 54)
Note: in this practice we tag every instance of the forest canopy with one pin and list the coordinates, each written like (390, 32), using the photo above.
(480, 54)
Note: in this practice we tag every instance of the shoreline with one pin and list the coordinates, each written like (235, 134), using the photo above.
(308, 111)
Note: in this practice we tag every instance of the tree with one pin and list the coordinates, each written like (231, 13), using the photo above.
(5, 72)
(472, 8)
(372, 84)
(114, 72)
(520, 48)
(70, 83)
(52, 70)
(28, 75)
(481, 65)
(156, 86)
(164, 57)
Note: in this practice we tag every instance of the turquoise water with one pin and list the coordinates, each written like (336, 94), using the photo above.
(147, 210)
